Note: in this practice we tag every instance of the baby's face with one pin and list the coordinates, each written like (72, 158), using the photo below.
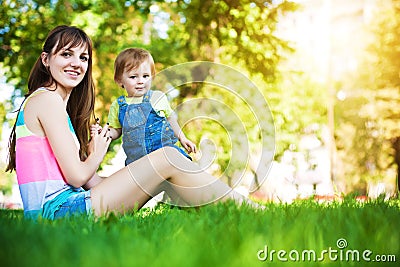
(137, 81)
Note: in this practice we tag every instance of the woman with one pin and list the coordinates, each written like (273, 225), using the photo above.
(54, 160)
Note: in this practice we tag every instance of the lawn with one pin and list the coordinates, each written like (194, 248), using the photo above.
(304, 233)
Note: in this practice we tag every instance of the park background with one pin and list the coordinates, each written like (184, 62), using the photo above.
(329, 71)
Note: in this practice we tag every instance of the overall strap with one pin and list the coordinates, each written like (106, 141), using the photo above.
(147, 96)
(122, 109)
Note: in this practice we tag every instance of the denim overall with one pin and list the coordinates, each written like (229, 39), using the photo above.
(143, 130)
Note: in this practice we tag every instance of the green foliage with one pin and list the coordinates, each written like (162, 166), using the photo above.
(6, 179)
(233, 31)
(2, 116)
(214, 235)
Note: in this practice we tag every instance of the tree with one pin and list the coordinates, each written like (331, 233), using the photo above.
(238, 33)
(230, 31)
(369, 135)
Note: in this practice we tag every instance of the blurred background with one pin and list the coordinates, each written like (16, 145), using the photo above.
(328, 69)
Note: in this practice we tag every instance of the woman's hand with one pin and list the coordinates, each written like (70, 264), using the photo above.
(99, 142)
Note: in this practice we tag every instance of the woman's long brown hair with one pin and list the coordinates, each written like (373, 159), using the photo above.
(80, 106)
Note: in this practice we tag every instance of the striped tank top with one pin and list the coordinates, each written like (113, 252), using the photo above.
(39, 176)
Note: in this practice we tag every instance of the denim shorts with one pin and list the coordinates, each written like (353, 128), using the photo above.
(77, 204)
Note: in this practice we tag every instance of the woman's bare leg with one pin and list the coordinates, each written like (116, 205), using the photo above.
(170, 195)
(133, 185)
(120, 193)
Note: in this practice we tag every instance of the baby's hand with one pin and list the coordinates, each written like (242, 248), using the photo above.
(95, 128)
(188, 145)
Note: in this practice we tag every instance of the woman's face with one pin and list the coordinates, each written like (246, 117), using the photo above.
(68, 66)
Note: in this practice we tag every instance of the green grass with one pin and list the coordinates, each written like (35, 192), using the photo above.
(214, 235)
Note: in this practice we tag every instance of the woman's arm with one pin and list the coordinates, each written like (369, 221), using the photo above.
(95, 180)
(55, 126)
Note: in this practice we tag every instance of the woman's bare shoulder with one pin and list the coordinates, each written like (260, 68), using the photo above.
(45, 100)
(45, 104)
(44, 95)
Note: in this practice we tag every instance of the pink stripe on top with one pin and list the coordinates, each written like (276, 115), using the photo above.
(36, 161)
